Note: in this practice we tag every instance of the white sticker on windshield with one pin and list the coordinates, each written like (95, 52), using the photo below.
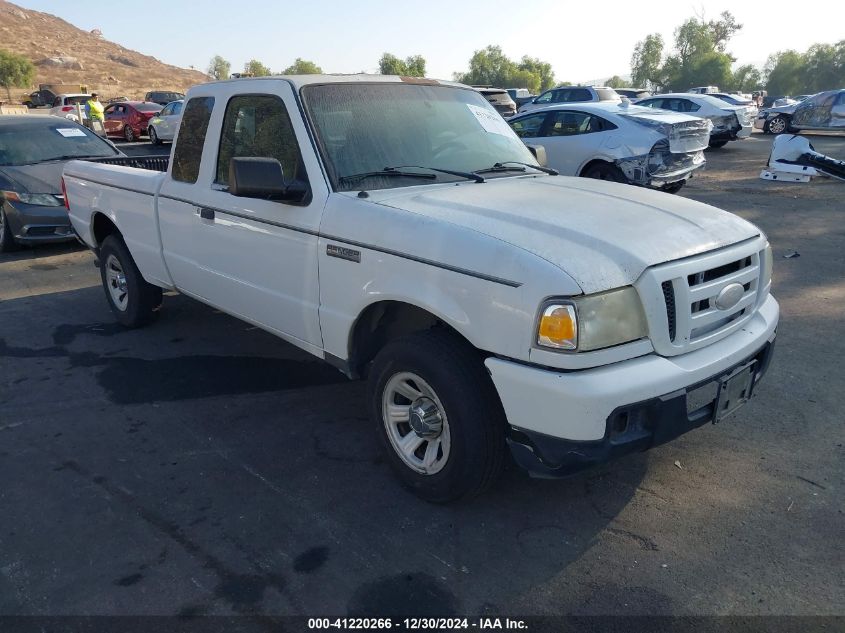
(490, 121)
(67, 132)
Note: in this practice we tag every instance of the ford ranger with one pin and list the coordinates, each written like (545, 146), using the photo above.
(397, 228)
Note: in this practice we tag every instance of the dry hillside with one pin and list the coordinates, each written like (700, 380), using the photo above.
(68, 55)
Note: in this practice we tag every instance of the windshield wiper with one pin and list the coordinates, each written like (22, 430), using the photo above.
(503, 166)
(469, 175)
(67, 157)
(386, 172)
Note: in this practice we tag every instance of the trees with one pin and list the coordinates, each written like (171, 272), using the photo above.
(645, 63)
(616, 82)
(219, 68)
(699, 57)
(303, 67)
(822, 67)
(413, 66)
(256, 69)
(491, 67)
(15, 72)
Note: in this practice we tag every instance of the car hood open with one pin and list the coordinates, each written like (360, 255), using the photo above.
(604, 235)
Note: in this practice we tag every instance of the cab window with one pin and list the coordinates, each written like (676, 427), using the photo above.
(192, 131)
(546, 97)
(258, 126)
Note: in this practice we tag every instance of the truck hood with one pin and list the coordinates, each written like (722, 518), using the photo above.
(602, 234)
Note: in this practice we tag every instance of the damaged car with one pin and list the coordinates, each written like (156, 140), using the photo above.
(730, 122)
(823, 111)
(618, 142)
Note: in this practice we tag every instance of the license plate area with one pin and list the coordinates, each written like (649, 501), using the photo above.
(734, 391)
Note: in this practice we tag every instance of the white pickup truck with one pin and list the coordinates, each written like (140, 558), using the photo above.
(399, 229)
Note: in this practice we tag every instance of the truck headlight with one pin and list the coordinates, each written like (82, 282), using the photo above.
(592, 322)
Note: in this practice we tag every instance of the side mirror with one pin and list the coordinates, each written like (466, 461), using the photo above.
(260, 177)
(539, 152)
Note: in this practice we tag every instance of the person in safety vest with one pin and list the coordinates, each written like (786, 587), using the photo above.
(94, 109)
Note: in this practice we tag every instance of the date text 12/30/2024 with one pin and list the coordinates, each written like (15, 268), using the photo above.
(417, 624)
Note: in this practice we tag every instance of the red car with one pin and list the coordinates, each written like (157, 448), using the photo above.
(129, 119)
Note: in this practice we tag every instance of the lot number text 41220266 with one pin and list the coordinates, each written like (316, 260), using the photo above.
(417, 624)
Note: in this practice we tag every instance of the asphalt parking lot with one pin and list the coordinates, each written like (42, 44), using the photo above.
(201, 466)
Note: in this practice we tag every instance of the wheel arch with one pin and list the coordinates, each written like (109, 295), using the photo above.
(592, 163)
(385, 320)
(102, 225)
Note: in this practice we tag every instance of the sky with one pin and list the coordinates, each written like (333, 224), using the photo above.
(584, 41)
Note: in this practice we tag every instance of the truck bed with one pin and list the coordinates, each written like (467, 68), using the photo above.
(152, 163)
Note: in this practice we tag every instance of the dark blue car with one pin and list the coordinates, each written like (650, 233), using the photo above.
(33, 152)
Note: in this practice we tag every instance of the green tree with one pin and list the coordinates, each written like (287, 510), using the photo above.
(746, 78)
(219, 68)
(542, 70)
(256, 69)
(616, 82)
(303, 67)
(784, 73)
(491, 67)
(723, 29)
(15, 72)
(645, 63)
(413, 66)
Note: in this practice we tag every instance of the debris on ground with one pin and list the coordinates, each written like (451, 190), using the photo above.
(792, 254)
(678, 464)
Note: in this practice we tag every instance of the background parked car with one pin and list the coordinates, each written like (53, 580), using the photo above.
(129, 119)
(520, 96)
(64, 105)
(499, 99)
(823, 111)
(617, 142)
(33, 152)
(730, 122)
(633, 93)
(163, 97)
(163, 126)
(570, 94)
(735, 99)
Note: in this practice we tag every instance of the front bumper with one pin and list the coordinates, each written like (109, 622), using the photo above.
(563, 422)
(33, 224)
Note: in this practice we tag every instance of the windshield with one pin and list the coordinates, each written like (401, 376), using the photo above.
(365, 128)
(43, 141)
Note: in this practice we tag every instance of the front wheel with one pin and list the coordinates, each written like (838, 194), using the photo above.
(7, 240)
(674, 187)
(128, 133)
(777, 125)
(133, 300)
(438, 415)
(154, 139)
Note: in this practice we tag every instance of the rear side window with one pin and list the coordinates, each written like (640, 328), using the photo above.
(188, 151)
(571, 123)
(258, 126)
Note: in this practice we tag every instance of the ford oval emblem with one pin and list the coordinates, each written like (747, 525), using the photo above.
(729, 296)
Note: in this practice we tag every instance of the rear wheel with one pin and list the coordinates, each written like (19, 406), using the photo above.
(134, 301)
(154, 139)
(7, 240)
(438, 415)
(128, 133)
(604, 171)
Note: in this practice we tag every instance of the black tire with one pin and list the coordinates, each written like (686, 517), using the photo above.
(142, 299)
(604, 171)
(717, 144)
(776, 125)
(674, 187)
(154, 139)
(7, 240)
(475, 419)
(128, 133)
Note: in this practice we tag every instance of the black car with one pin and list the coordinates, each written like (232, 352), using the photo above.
(33, 152)
(499, 99)
(162, 97)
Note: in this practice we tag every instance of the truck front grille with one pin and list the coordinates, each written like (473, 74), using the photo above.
(688, 290)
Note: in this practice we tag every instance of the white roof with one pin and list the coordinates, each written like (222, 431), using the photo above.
(303, 80)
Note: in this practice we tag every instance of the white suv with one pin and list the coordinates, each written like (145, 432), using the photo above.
(571, 94)
(65, 106)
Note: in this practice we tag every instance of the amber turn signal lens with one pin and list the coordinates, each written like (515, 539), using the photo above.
(558, 327)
